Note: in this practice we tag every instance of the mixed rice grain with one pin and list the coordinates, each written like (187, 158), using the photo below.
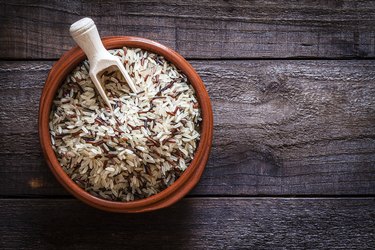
(144, 145)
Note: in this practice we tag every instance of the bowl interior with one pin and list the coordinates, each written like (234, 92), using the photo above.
(184, 183)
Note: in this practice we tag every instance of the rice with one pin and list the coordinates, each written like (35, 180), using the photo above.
(144, 145)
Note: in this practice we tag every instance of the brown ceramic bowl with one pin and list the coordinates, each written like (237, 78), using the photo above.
(183, 184)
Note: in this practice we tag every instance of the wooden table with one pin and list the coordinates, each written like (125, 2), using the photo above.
(293, 93)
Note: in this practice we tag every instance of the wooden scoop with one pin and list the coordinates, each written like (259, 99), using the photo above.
(86, 35)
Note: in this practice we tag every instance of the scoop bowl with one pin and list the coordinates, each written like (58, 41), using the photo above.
(185, 183)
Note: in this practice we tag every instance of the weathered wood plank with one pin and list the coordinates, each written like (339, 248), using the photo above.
(281, 128)
(194, 223)
(204, 29)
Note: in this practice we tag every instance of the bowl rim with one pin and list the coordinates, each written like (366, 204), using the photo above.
(190, 176)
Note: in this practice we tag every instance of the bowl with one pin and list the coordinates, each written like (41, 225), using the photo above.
(183, 184)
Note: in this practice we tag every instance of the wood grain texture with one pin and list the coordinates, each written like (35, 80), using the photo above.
(194, 223)
(204, 29)
(281, 128)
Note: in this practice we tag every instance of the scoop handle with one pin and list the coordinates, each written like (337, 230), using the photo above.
(86, 35)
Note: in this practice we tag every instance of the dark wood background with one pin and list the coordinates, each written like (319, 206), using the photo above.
(292, 85)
